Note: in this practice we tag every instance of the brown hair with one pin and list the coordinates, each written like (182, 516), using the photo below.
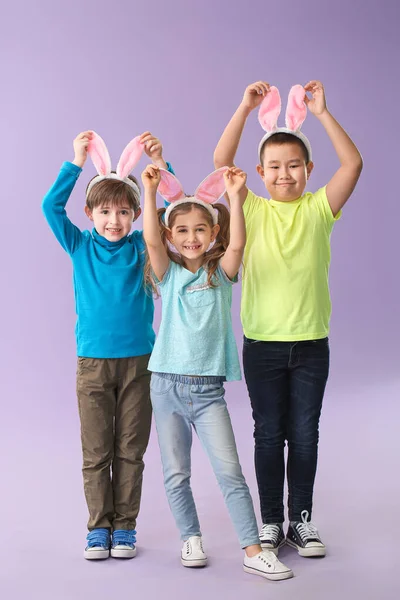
(281, 138)
(211, 257)
(115, 192)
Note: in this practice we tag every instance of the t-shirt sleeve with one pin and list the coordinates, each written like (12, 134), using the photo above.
(223, 277)
(167, 275)
(322, 205)
(252, 205)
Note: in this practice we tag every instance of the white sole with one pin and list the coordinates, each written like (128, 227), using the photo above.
(201, 562)
(273, 550)
(122, 552)
(315, 552)
(273, 576)
(96, 554)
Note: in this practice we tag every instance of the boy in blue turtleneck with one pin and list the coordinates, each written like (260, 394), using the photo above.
(115, 337)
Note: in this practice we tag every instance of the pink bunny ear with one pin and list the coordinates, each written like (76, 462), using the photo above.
(130, 157)
(296, 110)
(270, 110)
(212, 188)
(170, 187)
(99, 154)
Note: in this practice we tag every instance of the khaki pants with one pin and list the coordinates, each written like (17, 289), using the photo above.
(115, 413)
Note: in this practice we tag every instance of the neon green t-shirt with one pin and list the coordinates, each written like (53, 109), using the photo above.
(285, 295)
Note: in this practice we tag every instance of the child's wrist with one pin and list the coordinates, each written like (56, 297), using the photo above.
(79, 162)
(244, 109)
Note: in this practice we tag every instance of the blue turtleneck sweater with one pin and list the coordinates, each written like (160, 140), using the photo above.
(114, 311)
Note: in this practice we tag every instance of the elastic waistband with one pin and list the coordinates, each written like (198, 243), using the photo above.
(189, 380)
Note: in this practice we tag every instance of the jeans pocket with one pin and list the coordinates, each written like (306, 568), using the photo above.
(160, 385)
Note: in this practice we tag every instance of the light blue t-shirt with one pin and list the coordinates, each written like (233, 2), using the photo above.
(195, 335)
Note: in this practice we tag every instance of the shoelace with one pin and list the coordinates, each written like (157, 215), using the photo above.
(98, 537)
(188, 546)
(124, 537)
(306, 529)
(270, 532)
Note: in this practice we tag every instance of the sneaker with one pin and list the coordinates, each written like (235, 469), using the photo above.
(98, 544)
(266, 565)
(272, 537)
(304, 536)
(123, 543)
(192, 554)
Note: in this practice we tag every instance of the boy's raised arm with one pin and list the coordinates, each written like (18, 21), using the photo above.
(225, 152)
(342, 184)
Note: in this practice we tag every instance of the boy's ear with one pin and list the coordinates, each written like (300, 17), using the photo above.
(137, 214)
(260, 171)
(88, 213)
(309, 168)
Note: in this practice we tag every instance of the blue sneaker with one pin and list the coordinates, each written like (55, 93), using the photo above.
(123, 543)
(98, 544)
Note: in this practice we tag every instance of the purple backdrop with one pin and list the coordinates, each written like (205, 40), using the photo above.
(179, 68)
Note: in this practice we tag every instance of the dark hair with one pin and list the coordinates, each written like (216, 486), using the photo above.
(113, 191)
(281, 138)
(211, 257)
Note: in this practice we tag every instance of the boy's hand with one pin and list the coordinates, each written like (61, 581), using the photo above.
(152, 146)
(81, 143)
(255, 94)
(235, 180)
(316, 104)
(151, 178)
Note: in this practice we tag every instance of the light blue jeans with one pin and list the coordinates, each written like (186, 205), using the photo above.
(180, 403)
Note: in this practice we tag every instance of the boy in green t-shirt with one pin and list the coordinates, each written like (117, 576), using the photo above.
(286, 303)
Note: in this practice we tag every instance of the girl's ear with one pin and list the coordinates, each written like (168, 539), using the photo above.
(130, 157)
(270, 109)
(88, 213)
(98, 152)
(170, 188)
(215, 231)
(296, 110)
(212, 188)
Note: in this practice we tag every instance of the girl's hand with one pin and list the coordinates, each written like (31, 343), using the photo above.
(151, 178)
(316, 104)
(235, 180)
(152, 146)
(81, 143)
(255, 94)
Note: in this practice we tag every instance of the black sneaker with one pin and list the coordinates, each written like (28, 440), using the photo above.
(304, 536)
(272, 537)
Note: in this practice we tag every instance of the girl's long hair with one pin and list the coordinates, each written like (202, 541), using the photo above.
(211, 257)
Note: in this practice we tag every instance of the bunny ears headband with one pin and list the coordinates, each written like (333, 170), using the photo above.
(296, 112)
(210, 190)
(102, 162)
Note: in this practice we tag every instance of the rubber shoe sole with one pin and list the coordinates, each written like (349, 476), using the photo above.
(96, 554)
(272, 576)
(310, 552)
(196, 562)
(271, 549)
(123, 552)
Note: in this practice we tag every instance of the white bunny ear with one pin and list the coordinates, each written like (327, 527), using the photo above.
(170, 188)
(99, 154)
(296, 110)
(130, 157)
(212, 188)
(270, 109)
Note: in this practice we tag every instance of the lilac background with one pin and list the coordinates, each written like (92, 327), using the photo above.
(179, 68)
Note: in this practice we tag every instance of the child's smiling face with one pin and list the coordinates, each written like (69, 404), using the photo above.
(111, 221)
(284, 171)
(192, 234)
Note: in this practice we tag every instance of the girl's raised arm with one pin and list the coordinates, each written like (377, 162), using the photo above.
(235, 182)
(157, 252)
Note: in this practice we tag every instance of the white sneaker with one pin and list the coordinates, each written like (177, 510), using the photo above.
(192, 554)
(266, 565)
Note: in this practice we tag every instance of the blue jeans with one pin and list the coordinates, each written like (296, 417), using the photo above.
(286, 383)
(180, 403)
